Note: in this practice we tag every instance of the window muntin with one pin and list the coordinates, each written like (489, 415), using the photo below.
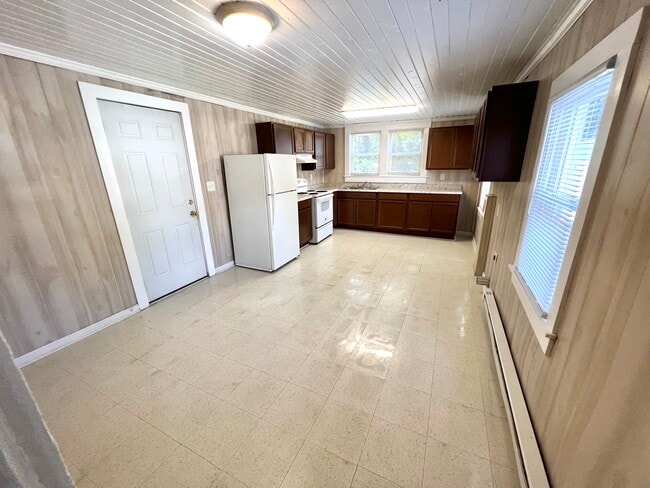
(405, 152)
(573, 122)
(364, 153)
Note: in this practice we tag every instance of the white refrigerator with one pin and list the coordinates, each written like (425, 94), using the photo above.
(263, 206)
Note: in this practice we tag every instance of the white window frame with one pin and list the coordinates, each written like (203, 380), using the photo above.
(385, 128)
(619, 44)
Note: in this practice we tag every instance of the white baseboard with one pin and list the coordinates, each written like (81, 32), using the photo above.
(224, 267)
(530, 465)
(59, 344)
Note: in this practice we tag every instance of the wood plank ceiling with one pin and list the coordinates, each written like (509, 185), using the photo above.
(325, 56)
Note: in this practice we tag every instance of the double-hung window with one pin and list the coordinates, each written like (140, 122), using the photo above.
(387, 152)
(579, 116)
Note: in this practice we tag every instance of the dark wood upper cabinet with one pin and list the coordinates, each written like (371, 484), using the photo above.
(450, 147)
(274, 138)
(298, 140)
(309, 141)
(320, 150)
(501, 132)
(330, 150)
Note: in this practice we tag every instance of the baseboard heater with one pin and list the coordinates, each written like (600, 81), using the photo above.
(529, 459)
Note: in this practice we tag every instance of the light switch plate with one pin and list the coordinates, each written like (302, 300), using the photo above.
(211, 186)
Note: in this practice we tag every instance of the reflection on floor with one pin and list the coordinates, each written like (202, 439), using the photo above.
(364, 363)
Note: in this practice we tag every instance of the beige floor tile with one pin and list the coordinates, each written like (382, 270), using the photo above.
(459, 334)
(76, 355)
(251, 351)
(222, 377)
(317, 468)
(341, 429)
(183, 469)
(394, 453)
(451, 467)
(335, 349)
(404, 406)
(417, 346)
(412, 372)
(367, 479)
(135, 460)
(504, 477)
(492, 398)
(318, 375)
(172, 351)
(462, 427)
(96, 370)
(265, 456)
(420, 326)
(303, 339)
(358, 390)
(124, 383)
(146, 340)
(295, 410)
(282, 362)
(453, 356)
(193, 367)
(371, 358)
(457, 386)
(85, 483)
(500, 441)
(85, 443)
(217, 436)
(256, 393)
(273, 330)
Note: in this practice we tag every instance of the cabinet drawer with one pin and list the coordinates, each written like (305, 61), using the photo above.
(357, 195)
(392, 196)
(433, 197)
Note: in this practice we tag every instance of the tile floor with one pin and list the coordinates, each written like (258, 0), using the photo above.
(364, 363)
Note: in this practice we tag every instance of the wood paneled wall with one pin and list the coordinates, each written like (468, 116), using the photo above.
(62, 264)
(589, 400)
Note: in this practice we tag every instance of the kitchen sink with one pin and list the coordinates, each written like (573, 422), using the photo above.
(361, 186)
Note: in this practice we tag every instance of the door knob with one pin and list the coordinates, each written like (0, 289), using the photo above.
(190, 201)
(193, 213)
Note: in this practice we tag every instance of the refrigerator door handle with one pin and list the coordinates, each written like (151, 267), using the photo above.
(272, 214)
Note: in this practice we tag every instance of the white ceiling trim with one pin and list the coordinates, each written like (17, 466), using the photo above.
(58, 62)
(571, 17)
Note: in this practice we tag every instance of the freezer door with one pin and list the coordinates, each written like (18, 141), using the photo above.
(283, 221)
(281, 173)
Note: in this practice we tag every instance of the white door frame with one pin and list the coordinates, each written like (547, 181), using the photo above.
(90, 95)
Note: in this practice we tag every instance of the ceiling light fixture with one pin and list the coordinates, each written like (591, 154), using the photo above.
(377, 112)
(246, 23)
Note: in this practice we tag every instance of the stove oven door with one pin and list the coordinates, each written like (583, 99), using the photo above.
(323, 210)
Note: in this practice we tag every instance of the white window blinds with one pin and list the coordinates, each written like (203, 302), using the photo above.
(572, 127)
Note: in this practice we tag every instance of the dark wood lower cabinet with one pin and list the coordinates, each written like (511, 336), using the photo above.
(305, 229)
(425, 214)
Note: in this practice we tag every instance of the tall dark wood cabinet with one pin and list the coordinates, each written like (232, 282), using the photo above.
(274, 138)
(320, 151)
(501, 132)
(330, 150)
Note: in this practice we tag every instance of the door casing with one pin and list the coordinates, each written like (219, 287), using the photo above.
(90, 94)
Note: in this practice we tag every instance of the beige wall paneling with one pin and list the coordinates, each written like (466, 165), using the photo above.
(588, 400)
(63, 267)
(483, 234)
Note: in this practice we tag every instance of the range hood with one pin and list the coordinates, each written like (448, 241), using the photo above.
(305, 159)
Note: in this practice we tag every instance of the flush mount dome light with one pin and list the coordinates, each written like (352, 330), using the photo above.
(246, 23)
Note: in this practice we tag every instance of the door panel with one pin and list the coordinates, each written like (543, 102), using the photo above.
(365, 216)
(391, 214)
(443, 217)
(150, 161)
(281, 173)
(419, 216)
(346, 211)
(283, 208)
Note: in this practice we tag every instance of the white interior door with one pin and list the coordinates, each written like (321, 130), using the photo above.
(149, 155)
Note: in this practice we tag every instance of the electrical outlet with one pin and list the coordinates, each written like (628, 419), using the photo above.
(495, 256)
(443, 176)
(211, 186)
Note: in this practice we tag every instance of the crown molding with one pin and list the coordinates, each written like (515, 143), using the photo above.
(560, 29)
(38, 57)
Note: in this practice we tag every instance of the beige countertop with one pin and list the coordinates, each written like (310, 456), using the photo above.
(302, 198)
(432, 191)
